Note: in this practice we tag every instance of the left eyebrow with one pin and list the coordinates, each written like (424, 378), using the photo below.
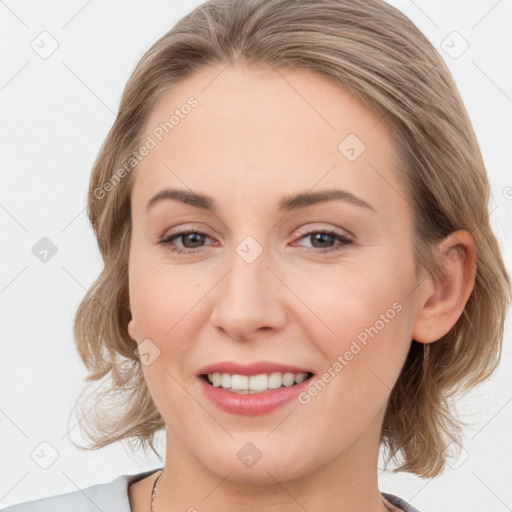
(288, 203)
(303, 200)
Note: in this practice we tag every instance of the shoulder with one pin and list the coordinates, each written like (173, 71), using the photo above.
(111, 496)
(399, 502)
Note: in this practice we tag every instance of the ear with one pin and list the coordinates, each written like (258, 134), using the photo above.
(132, 330)
(441, 298)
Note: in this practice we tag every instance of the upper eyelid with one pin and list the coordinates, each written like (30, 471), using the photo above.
(188, 227)
(301, 230)
(339, 231)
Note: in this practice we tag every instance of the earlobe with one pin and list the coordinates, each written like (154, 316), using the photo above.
(444, 294)
(132, 330)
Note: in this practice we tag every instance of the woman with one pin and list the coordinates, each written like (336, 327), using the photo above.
(299, 267)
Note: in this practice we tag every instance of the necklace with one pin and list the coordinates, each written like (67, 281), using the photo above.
(155, 485)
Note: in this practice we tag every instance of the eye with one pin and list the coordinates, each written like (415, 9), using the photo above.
(191, 239)
(324, 237)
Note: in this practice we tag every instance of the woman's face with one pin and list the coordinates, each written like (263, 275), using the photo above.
(259, 283)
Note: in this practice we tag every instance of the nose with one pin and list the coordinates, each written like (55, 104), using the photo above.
(249, 300)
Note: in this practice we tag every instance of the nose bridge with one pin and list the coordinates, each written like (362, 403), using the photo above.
(248, 299)
(248, 281)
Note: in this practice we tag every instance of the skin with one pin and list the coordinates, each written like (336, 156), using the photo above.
(256, 136)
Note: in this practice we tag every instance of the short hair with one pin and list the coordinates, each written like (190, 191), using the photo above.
(373, 51)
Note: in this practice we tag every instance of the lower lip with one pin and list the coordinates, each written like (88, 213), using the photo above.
(252, 404)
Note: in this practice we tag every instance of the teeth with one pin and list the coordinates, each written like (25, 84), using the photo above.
(255, 383)
(238, 381)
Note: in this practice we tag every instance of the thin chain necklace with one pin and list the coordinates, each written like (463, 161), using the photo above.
(155, 485)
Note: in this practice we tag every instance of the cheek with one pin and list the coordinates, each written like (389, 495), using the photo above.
(363, 357)
(162, 303)
(346, 301)
(160, 296)
(168, 307)
(364, 316)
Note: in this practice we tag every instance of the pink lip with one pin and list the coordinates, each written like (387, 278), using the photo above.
(251, 404)
(256, 368)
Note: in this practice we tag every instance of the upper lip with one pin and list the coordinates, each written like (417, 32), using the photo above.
(256, 368)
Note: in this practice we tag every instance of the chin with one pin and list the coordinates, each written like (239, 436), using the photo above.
(246, 464)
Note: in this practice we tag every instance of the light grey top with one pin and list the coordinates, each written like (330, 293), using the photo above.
(113, 497)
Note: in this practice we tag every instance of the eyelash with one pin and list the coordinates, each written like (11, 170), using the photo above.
(345, 241)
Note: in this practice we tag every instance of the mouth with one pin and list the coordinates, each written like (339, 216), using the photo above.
(258, 393)
(245, 384)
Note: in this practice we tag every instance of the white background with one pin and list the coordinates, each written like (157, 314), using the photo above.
(56, 113)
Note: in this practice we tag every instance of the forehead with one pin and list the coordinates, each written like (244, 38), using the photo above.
(258, 130)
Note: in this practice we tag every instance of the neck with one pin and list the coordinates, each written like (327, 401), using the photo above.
(345, 483)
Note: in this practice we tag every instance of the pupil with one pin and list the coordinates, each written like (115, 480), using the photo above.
(193, 235)
(322, 239)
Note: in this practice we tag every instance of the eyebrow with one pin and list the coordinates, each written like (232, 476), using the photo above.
(288, 203)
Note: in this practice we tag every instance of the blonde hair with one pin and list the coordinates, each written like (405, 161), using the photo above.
(375, 52)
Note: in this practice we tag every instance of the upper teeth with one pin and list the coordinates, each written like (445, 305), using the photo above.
(255, 382)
